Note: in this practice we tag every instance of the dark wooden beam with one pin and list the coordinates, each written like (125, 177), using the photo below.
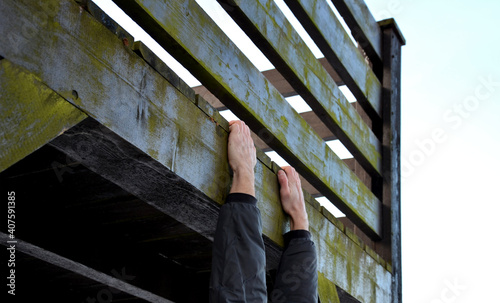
(80, 269)
(391, 190)
(130, 168)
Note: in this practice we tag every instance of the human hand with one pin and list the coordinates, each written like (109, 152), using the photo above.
(242, 157)
(292, 198)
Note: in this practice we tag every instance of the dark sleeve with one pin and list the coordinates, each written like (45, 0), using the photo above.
(238, 258)
(297, 276)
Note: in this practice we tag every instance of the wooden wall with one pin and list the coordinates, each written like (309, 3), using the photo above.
(120, 167)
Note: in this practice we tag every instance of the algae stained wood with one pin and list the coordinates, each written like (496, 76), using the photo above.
(31, 114)
(363, 27)
(77, 268)
(334, 42)
(186, 31)
(153, 128)
(392, 41)
(268, 27)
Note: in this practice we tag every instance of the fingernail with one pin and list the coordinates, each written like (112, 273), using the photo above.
(281, 172)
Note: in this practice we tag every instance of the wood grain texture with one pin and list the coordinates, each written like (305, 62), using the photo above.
(187, 32)
(82, 270)
(393, 41)
(276, 79)
(31, 114)
(270, 30)
(156, 137)
(363, 27)
(325, 29)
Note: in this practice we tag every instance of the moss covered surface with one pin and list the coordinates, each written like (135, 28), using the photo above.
(31, 114)
(120, 90)
(189, 34)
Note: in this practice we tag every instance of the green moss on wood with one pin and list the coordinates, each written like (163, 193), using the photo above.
(31, 114)
(193, 138)
(327, 290)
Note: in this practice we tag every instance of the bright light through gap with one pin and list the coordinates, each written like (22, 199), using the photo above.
(339, 149)
(277, 158)
(298, 28)
(347, 93)
(323, 201)
(298, 104)
(113, 11)
(228, 115)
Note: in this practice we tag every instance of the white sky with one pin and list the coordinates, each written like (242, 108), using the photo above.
(450, 187)
(450, 142)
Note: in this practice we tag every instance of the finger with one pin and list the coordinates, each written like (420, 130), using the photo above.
(247, 130)
(290, 173)
(283, 180)
(297, 178)
(235, 127)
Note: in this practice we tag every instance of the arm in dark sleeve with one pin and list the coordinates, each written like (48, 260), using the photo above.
(238, 260)
(297, 277)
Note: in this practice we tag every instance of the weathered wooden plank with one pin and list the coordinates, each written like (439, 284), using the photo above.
(31, 114)
(393, 40)
(331, 38)
(160, 140)
(329, 291)
(105, 20)
(187, 32)
(270, 30)
(363, 27)
(156, 63)
(310, 117)
(276, 79)
(81, 269)
(118, 161)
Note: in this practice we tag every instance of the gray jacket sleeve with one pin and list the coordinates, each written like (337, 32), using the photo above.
(297, 276)
(238, 260)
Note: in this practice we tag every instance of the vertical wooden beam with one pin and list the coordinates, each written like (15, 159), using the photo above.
(391, 155)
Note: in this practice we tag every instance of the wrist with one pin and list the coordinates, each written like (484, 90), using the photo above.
(243, 182)
(299, 222)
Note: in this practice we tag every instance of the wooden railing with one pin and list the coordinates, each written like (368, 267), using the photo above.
(70, 75)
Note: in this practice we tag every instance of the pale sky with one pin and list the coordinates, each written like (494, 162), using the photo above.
(450, 141)
(451, 96)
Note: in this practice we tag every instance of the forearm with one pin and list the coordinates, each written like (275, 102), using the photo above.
(238, 260)
(297, 278)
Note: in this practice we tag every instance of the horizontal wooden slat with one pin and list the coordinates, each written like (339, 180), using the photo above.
(82, 270)
(161, 140)
(282, 85)
(323, 26)
(363, 26)
(187, 32)
(268, 27)
(32, 114)
(276, 80)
